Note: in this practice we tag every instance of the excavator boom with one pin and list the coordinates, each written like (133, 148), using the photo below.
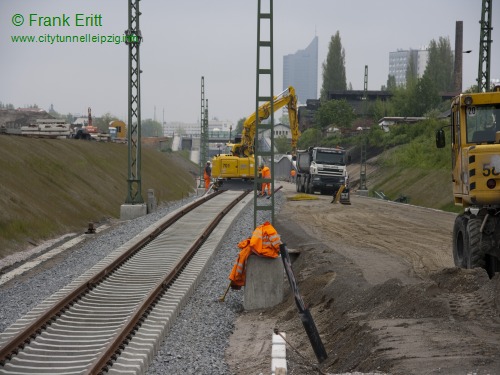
(288, 98)
(240, 162)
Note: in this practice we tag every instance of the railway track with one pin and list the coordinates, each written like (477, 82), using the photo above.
(112, 318)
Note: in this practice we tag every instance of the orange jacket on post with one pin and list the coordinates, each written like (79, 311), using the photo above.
(265, 242)
(237, 275)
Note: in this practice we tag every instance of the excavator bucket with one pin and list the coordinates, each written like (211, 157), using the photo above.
(345, 197)
(342, 196)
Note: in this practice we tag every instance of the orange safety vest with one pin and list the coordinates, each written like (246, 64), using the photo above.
(266, 172)
(207, 173)
(265, 242)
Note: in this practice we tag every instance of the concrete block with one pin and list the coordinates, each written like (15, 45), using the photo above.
(279, 366)
(264, 283)
(132, 211)
(151, 201)
(278, 340)
(363, 193)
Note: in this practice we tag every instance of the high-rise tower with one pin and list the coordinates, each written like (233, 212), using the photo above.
(300, 70)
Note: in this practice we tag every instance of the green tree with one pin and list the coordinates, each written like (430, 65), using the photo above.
(411, 72)
(416, 99)
(440, 64)
(337, 113)
(282, 144)
(334, 77)
(382, 108)
(426, 96)
(151, 128)
(310, 137)
(102, 123)
(376, 136)
(239, 126)
(391, 82)
(401, 101)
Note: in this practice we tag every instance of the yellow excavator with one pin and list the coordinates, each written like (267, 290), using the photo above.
(475, 145)
(238, 160)
(475, 159)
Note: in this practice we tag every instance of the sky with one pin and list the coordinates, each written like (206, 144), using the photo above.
(186, 39)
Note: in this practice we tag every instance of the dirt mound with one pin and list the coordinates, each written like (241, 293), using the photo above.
(379, 282)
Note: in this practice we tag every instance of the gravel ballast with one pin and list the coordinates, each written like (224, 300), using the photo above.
(197, 341)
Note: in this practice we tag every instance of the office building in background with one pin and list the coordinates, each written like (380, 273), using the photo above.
(300, 70)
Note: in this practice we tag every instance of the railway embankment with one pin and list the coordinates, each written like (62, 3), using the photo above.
(51, 187)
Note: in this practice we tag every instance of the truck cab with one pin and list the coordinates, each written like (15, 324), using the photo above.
(321, 169)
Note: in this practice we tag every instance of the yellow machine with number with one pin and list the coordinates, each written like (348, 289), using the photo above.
(475, 145)
(238, 161)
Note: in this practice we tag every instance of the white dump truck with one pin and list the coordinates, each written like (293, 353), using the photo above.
(323, 170)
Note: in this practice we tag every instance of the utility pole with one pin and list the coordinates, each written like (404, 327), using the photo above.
(203, 132)
(264, 75)
(205, 126)
(457, 70)
(133, 41)
(365, 93)
(163, 123)
(362, 170)
(483, 75)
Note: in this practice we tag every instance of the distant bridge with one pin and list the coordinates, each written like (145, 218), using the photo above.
(213, 136)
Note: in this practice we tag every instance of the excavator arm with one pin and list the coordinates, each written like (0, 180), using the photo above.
(293, 116)
(287, 98)
(240, 163)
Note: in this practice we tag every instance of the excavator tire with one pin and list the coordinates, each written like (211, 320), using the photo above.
(476, 250)
(309, 189)
(301, 187)
(460, 241)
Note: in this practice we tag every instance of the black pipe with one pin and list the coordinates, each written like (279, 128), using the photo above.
(304, 313)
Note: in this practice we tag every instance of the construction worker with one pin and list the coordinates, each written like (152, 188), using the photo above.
(207, 175)
(292, 174)
(266, 173)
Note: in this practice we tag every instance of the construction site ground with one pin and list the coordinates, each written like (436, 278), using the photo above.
(380, 283)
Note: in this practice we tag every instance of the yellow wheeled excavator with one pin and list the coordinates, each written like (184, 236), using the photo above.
(475, 145)
(238, 160)
(475, 157)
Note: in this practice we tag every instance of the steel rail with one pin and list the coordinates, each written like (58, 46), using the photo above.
(20, 340)
(121, 338)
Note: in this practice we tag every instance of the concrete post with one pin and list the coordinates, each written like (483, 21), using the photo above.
(264, 283)
(151, 201)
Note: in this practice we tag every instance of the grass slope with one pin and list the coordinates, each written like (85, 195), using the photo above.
(417, 170)
(51, 187)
